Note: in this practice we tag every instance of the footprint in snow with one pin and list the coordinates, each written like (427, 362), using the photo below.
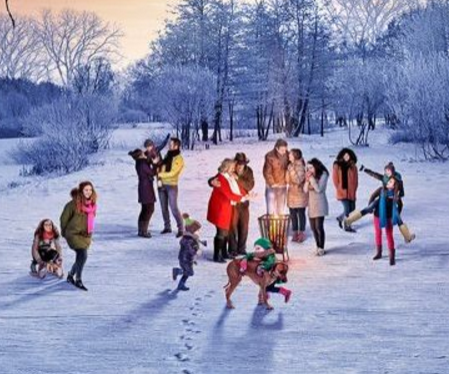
(185, 371)
(189, 346)
(182, 357)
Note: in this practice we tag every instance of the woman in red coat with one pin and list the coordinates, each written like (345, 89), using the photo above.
(219, 212)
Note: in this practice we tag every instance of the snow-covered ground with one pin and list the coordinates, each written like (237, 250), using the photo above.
(347, 314)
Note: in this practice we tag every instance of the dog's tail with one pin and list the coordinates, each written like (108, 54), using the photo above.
(227, 285)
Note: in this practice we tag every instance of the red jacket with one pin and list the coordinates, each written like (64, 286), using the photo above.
(219, 211)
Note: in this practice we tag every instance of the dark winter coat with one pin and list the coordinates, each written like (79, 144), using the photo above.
(189, 248)
(275, 168)
(146, 173)
(74, 227)
(349, 193)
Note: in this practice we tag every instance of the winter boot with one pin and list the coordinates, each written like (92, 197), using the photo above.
(408, 237)
(286, 293)
(143, 229)
(340, 221)
(320, 252)
(166, 231)
(182, 284)
(79, 284)
(353, 217)
(33, 268)
(348, 228)
(176, 272)
(378, 255)
(70, 279)
(392, 257)
(301, 237)
(295, 237)
(218, 242)
(224, 250)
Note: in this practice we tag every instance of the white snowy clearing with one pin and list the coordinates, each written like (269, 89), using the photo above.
(347, 313)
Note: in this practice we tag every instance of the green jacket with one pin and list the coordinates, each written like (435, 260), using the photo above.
(74, 227)
(267, 263)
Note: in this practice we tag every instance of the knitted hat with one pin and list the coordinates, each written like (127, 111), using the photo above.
(190, 225)
(264, 243)
(391, 167)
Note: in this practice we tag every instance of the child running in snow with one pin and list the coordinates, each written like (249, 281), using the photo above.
(190, 246)
(264, 252)
(46, 251)
(390, 171)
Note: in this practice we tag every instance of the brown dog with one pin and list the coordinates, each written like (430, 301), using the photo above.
(279, 271)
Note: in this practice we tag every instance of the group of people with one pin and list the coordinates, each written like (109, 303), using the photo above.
(299, 185)
(290, 182)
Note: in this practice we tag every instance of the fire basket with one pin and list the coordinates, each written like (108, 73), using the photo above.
(275, 228)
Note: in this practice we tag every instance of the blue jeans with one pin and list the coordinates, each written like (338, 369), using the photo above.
(276, 200)
(168, 197)
(348, 207)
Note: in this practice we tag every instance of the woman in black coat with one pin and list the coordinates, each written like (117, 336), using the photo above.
(147, 197)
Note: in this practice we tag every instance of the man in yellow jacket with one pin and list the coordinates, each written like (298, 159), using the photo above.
(168, 177)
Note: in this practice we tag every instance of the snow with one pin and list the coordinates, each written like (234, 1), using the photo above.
(347, 314)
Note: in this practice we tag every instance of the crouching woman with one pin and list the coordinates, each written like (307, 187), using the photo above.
(46, 251)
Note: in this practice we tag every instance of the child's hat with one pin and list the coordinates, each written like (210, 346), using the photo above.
(190, 225)
(391, 167)
(264, 243)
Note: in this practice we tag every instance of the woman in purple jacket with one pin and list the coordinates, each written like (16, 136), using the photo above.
(147, 197)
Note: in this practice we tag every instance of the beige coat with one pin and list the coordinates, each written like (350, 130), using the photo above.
(318, 204)
(296, 177)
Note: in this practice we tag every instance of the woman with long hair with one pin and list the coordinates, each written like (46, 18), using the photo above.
(46, 251)
(77, 226)
(225, 194)
(346, 181)
(316, 184)
(297, 199)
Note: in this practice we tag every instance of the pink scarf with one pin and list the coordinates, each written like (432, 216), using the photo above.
(91, 210)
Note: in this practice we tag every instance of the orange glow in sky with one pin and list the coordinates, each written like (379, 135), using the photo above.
(140, 20)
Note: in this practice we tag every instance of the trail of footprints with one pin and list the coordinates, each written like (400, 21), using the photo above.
(191, 330)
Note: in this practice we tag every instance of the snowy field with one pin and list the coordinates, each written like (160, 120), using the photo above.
(347, 314)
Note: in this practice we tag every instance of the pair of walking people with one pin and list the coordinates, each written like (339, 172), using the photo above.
(150, 166)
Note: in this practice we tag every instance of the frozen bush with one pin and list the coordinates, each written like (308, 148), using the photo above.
(70, 129)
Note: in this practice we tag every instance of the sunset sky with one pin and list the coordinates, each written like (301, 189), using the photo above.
(140, 20)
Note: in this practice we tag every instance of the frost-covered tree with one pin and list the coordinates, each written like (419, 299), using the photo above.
(74, 39)
(21, 51)
(185, 97)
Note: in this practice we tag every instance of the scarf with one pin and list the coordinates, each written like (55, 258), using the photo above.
(233, 184)
(344, 174)
(383, 209)
(168, 160)
(48, 236)
(91, 210)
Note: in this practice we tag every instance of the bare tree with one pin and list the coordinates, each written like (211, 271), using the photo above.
(74, 39)
(361, 22)
(21, 52)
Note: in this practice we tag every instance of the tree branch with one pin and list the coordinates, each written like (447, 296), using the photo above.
(10, 14)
